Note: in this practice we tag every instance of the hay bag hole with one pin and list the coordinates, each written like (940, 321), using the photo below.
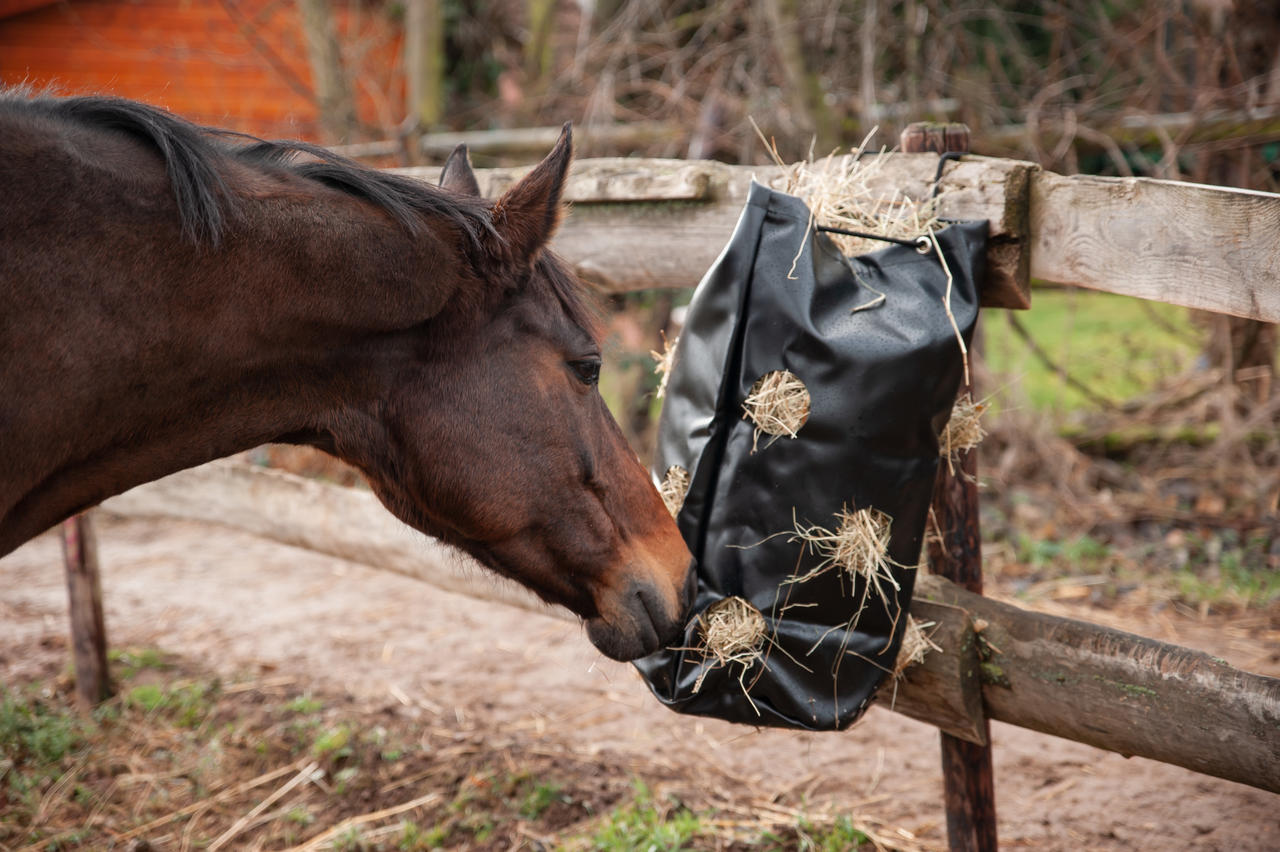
(733, 631)
(778, 404)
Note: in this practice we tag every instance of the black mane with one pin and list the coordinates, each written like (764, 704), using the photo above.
(193, 156)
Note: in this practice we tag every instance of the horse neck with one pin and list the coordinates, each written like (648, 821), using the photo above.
(182, 355)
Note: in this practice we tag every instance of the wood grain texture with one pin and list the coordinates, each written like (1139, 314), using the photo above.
(946, 689)
(968, 775)
(641, 224)
(1122, 692)
(348, 523)
(88, 626)
(1110, 689)
(1205, 247)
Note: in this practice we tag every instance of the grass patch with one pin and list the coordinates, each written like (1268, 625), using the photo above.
(645, 823)
(129, 662)
(305, 704)
(1118, 346)
(38, 738)
(539, 798)
(186, 703)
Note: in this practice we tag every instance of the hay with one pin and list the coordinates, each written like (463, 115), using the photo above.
(964, 430)
(662, 363)
(859, 546)
(675, 484)
(838, 192)
(915, 645)
(733, 632)
(778, 404)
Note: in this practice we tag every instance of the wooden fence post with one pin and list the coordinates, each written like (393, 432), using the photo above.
(88, 627)
(967, 776)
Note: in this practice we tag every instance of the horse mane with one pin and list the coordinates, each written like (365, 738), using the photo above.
(194, 157)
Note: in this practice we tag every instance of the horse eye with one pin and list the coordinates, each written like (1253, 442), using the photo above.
(587, 370)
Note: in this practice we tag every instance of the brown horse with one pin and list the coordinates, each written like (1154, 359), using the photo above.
(172, 294)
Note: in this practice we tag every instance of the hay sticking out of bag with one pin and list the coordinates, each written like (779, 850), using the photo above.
(675, 484)
(733, 631)
(663, 362)
(964, 430)
(778, 404)
(915, 645)
(859, 546)
(840, 194)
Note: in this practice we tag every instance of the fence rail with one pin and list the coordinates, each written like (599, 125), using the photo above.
(1110, 689)
(640, 224)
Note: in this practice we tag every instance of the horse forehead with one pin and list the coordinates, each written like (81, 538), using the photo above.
(543, 318)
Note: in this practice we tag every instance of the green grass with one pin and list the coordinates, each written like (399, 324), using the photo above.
(643, 824)
(187, 704)
(540, 797)
(1117, 346)
(305, 704)
(128, 662)
(36, 740)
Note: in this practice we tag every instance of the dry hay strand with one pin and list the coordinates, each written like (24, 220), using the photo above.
(778, 404)
(675, 484)
(662, 363)
(733, 632)
(964, 430)
(859, 547)
(915, 645)
(838, 191)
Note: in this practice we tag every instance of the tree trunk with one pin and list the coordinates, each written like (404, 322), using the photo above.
(424, 68)
(333, 91)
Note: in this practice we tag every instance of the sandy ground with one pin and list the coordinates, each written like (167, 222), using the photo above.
(241, 605)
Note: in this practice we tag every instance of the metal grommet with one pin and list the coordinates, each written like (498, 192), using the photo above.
(924, 245)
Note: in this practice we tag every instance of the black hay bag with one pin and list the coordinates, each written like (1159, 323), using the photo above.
(882, 375)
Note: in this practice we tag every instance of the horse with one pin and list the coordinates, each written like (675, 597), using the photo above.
(171, 294)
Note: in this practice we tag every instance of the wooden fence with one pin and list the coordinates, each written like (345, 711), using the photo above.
(641, 224)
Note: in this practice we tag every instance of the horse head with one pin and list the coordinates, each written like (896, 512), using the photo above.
(502, 445)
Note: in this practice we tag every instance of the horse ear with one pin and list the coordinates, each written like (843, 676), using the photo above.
(527, 214)
(457, 174)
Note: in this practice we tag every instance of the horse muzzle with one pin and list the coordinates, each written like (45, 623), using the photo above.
(643, 619)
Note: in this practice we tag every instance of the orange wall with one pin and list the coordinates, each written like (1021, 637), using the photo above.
(230, 63)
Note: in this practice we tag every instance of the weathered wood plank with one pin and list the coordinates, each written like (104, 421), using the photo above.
(642, 224)
(1069, 678)
(88, 626)
(1205, 247)
(349, 523)
(524, 141)
(1122, 692)
(945, 690)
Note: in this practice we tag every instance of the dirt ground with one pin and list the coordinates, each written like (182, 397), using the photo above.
(239, 604)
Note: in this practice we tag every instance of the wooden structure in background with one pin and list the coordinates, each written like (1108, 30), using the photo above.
(84, 594)
(639, 224)
(240, 64)
(955, 553)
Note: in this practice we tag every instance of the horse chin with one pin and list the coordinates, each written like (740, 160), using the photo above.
(623, 645)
